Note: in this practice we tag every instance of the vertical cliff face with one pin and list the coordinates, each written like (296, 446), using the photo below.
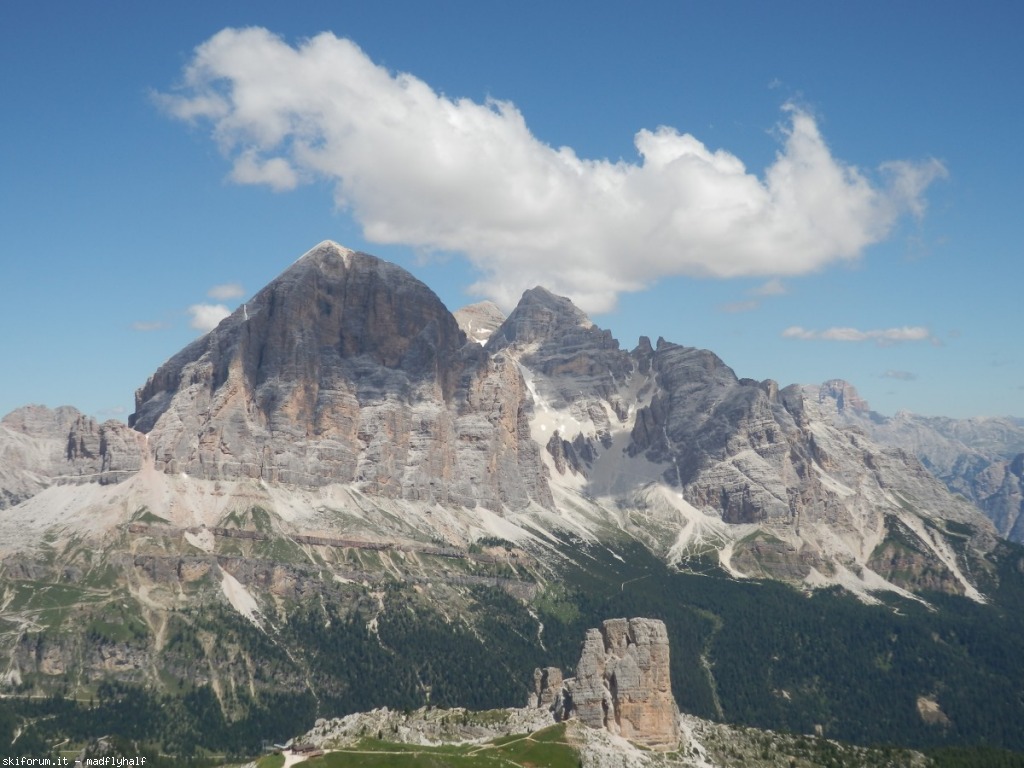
(622, 684)
(346, 369)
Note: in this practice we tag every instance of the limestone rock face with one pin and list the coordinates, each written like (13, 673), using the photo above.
(42, 446)
(843, 396)
(346, 369)
(547, 687)
(735, 451)
(622, 684)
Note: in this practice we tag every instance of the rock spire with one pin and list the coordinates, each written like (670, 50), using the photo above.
(622, 684)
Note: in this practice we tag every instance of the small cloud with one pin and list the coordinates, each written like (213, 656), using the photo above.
(774, 287)
(909, 181)
(226, 291)
(146, 327)
(882, 337)
(740, 306)
(899, 375)
(206, 317)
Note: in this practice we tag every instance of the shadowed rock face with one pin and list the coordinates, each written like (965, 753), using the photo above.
(557, 340)
(346, 369)
(730, 443)
(622, 684)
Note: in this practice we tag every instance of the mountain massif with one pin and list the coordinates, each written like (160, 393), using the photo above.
(344, 476)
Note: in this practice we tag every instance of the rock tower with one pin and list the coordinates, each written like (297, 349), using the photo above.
(622, 684)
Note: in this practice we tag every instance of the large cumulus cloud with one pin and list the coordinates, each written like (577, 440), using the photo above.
(419, 168)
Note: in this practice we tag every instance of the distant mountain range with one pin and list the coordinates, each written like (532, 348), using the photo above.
(980, 459)
(343, 445)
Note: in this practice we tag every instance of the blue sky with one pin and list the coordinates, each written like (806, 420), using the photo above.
(811, 190)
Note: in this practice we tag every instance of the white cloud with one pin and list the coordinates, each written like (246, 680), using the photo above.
(419, 168)
(205, 317)
(226, 291)
(882, 337)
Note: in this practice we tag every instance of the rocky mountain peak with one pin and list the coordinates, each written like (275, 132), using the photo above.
(346, 371)
(573, 365)
(326, 249)
(42, 446)
(41, 421)
(332, 313)
(345, 368)
(540, 316)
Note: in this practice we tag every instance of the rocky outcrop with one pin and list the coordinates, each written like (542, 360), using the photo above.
(547, 687)
(784, 460)
(843, 396)
(42, 446)
(736, 450)
(622, 684)
(568, 353)
(346, 369)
